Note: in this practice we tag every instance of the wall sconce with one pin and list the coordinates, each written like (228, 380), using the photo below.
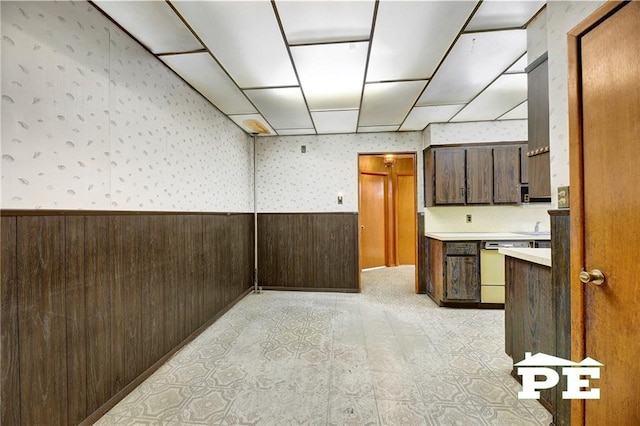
(389, 160)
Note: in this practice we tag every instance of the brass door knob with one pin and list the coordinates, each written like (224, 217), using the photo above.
(595, 276)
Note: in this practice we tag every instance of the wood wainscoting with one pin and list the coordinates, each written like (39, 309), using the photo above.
(308, 251)
(94, 302)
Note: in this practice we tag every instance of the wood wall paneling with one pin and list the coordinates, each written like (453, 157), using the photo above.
(10, 391)
(308, 251)
(42, 320)
(74, 239)
(90, 301)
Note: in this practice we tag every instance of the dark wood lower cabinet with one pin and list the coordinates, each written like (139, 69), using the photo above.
(453, 273)
(92, 302)
(538, 312)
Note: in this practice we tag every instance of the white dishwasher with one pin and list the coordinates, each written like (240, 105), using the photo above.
(492, 269)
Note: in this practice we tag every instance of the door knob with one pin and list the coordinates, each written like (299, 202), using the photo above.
(595, 276)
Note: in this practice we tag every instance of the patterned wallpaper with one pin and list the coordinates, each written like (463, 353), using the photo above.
(290, 181)
(537, 37)
(477, 132)
(91, 120)
(562, 16)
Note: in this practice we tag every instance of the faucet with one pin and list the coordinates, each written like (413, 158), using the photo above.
(537, 228)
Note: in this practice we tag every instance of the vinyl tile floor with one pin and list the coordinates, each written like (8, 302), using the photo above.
(386, 356)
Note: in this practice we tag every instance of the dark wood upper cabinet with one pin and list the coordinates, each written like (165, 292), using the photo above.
(506, 174)
(524, 164)
(538, 150)
(479, 175)
(449, 166)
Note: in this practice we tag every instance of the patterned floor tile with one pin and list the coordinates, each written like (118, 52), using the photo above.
(384, 356)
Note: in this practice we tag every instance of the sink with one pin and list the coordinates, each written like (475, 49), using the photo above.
(535, 234)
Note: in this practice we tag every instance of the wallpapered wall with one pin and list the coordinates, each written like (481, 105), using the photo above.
(476, 132)
(91, 120)
(290, 181)
(562, 16)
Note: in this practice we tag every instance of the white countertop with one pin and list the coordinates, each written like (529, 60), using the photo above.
(541, 256)
(487, 236)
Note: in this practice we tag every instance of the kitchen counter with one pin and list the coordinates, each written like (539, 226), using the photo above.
(541, 256)
(488, 236)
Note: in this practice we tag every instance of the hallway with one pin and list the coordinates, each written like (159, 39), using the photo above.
(385, 356)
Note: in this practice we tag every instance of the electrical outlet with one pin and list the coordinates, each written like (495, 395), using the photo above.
(339, 199)
(468, 218)
(303, 149)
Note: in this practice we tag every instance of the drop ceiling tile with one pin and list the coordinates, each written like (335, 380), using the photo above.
(519, 66)
(284, 108)
(335, 121)
(204, 74)
(472, 64)
(245, 38)
(520, 112)
(325, 21)
(377, 129)
(253, 123)
(386, 104)
(505, 93)
(420, 117)
(291, 132)
(497, 14)
(411, 38)
(331, 75)
(153, 23)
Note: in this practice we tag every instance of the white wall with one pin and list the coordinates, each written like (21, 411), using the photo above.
(290, 181)
(91, 120)
(484, 218)
(562, 16)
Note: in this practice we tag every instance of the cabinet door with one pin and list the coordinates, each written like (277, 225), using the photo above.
(462, 278)
(524, 165)
(479, 175)
(449, 176)
(538, 101)
(506, 175)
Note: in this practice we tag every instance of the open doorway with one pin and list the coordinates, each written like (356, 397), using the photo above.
(387, 210)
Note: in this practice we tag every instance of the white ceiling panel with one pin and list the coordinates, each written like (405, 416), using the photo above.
(245, 38)
(291, 132)
(420, 117)
(253, 123)
(335, 121)
(325, 21)
(331, 75)
(497, 14)
(153, 23)
(377, 129)
(503, 95)
(388, 103)
(284, 108)
(474, 62)
(208, 78)
(411, 38)
(519, 66)
(520, 112)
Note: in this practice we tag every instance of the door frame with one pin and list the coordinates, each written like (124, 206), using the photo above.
(414, 155)
(576, 173)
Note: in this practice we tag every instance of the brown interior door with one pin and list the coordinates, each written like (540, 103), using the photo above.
(606, 224)
(406, 220)
(373, 219)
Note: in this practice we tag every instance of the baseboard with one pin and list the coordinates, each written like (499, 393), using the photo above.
(114, 400)
(313, 289)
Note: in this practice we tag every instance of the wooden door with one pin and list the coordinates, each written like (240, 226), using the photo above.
(373, 220)
(479, 175)
(406, 241)
(605, 203)
(506, 178)
(449, 176)
(462, 278)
